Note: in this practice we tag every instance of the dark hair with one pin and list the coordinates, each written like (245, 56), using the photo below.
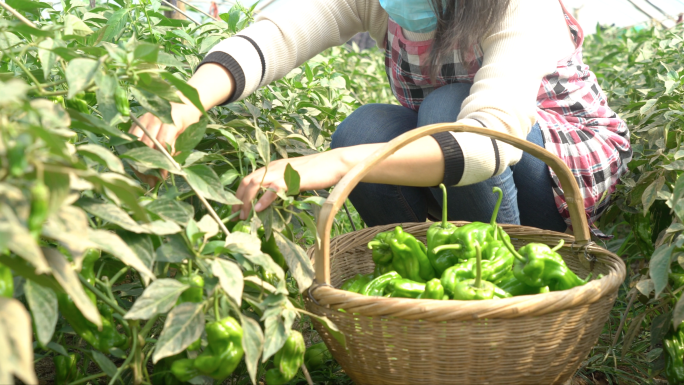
(462, 23)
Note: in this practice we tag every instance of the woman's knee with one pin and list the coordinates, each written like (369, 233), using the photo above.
(373, 123)
(443, 104)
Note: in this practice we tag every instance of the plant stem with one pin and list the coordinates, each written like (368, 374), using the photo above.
(17, 15)
(495, 213)
(478, 267)
(444, 205)
(102, 296)
(216, 306)
(446, 247)
(168, 156)
(123, 366)
(86, 379)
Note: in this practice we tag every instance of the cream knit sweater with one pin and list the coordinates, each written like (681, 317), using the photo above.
(526, 46)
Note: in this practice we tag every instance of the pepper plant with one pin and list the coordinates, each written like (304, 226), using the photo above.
(110, 270)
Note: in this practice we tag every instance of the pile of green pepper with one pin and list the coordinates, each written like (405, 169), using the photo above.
(472, 262)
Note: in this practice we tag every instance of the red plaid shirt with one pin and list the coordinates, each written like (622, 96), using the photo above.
(577, 124)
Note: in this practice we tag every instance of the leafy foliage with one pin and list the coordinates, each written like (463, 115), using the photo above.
(68, 184)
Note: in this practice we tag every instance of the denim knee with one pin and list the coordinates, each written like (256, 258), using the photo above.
(373, 123)
(443, 104)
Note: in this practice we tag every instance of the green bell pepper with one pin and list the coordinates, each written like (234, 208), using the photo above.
(6, 282)
(440, 234)
(106, 338)
(433, 290)
(66, 369)
(514, 287)
(184, 369)
(356, 283)
(162, 374)
(410, 257)
(404, 288)
(475, 289)
(224, 352)
(316, 356)
(539, 265)
(382, 252)
(194, 294)
(288, 360)
(376, 287)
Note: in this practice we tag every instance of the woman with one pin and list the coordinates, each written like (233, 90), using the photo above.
(510, 65)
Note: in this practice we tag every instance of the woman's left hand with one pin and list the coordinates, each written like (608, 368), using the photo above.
(316, 171)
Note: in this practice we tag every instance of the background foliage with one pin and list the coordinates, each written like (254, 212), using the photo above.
(147, 234)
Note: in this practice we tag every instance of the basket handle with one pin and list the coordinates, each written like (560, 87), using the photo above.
(342, 190)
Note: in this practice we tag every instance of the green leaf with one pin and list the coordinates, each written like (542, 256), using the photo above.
(27, 5)
(151, 159)
(228, 177)
(297, 260)
(43, 304)
(90, 123)
(274, 336)
(660, 327)
(204, 179)
(146, 52)
(192, 136)
(174, 251)
(158, 298)
(659, 267)
(80, 73)
(651, 193)
(252, 343)
(157, 86)
(154, 104)
(141, 245)
(183, 326)
(102, 156)
(104, 363)
(230, 277)
(172, 210)
(115, 246)
(263, 145)
(110, 213)
(16, 237)
(678, 313)
(331, 328)
(187, 90)
(75, 26)
(291, 180)
(46, 56)
(106, 86)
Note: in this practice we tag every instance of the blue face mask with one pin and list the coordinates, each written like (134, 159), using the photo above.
(412, 15)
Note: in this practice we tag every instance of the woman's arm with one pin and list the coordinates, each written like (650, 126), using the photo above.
(420, 163)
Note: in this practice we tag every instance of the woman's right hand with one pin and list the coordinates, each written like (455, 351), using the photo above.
(183, 115)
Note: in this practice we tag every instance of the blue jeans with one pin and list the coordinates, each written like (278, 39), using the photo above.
(528, 198)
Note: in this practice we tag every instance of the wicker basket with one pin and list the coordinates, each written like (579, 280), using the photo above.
(535, 339)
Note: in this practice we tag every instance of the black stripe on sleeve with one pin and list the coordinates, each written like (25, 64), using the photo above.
(230, 64)
(496, 155)
(261, 55)
(454, 164)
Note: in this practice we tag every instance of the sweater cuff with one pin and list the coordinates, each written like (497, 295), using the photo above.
(242, 57)
(454, 162)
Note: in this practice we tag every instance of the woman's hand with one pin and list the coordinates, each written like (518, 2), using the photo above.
(316, 171)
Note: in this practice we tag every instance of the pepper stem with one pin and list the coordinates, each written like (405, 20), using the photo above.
(446, 247)
(478, 267)
(560, 244)
(510, 247)
(498, 204)
(444, 205)
(373, 244)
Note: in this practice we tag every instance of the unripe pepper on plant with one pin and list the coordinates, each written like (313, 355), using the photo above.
(6, 282)
(288, 360)
(121, 99)
(162, 371)
(224, 352)
(39, 208)
(102, 340)
(316, 356)
(66, 369)
(409, 257)
(78, 104)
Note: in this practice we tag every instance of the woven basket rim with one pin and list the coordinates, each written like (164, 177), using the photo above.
(514, 307)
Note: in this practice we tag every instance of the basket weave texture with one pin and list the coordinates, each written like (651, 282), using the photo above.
(540, 339)
(533, 339)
